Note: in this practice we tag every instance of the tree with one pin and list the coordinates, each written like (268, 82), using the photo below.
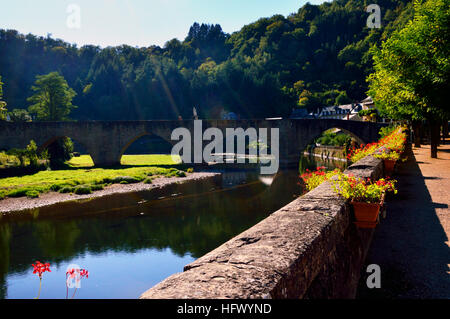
(53, 102)
(255, 70)
(52, 98)
(19, 115)
(412, 68)
(60, 151)
(2, 103)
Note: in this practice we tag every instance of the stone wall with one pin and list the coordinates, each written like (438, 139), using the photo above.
(328, 152)
(307, 249)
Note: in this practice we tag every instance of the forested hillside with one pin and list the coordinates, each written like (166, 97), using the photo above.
(315, 57)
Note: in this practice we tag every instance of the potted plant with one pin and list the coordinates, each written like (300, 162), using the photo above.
(366, 197)
(389, 159)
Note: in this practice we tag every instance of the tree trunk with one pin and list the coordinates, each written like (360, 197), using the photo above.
(434, 137)
(416, 132)
(439, 138)
(444, 130)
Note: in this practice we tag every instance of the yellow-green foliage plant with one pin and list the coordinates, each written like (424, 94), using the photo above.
(317, 177)
(361, 189)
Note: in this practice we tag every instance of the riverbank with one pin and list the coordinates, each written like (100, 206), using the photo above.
(80, 178)
(11, 205)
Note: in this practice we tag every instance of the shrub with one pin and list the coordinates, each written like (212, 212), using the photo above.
(367, 112)
(190, 170)
(333, 139)
(106, 180)
(66, 189)
(180, 174)
(32, 194)
(173, 172)
(82, 190)
(20, 192)
(148, 181)
(31, 153)
(97, 187)
(126, 180)
(55, 187)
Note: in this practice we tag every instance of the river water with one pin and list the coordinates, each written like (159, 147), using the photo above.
(130, 242)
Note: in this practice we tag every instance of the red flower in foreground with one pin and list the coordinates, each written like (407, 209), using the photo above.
(84, 273)
(40, 268)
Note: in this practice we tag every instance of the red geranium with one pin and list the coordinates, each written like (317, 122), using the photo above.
(40, 268)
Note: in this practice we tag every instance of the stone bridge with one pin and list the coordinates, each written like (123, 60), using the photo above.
(106, 141)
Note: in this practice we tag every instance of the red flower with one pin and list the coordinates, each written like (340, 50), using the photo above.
(40, 268)
(84, 273)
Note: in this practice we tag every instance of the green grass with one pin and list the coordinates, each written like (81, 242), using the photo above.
(128, 160)
(80, 179)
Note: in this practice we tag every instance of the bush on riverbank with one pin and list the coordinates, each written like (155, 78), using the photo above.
(21, 158)
(329, 138)
(83, 190)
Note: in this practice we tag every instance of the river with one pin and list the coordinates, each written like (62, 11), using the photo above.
(131, 242)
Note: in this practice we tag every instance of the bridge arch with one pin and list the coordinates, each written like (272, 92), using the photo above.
(354, 136)
(79, 146)
(158, 145)
(292, 145)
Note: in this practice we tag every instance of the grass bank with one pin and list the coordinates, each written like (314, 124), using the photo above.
(81, 178)
(128, 160)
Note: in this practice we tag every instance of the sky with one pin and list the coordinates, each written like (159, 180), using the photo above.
(134, 22)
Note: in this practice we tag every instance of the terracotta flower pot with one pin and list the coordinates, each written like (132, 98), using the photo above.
(389, 167)
(366, 214)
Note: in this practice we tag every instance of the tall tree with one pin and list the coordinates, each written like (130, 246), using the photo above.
(412, 68)
(52, 100)
(2, 103)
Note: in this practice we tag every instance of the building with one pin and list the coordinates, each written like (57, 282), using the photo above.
(301, 114)
(368, 103)
(339, 112)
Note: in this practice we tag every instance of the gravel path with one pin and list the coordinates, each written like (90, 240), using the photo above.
(16, 204)
(412, 244)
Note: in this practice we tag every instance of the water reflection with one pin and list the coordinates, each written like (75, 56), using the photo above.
(130, 242)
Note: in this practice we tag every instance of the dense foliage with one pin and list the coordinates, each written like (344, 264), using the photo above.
(22, 157)
(52, 98)
(2, 103)
(413, 68)
(334, 139)
(315, 57)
